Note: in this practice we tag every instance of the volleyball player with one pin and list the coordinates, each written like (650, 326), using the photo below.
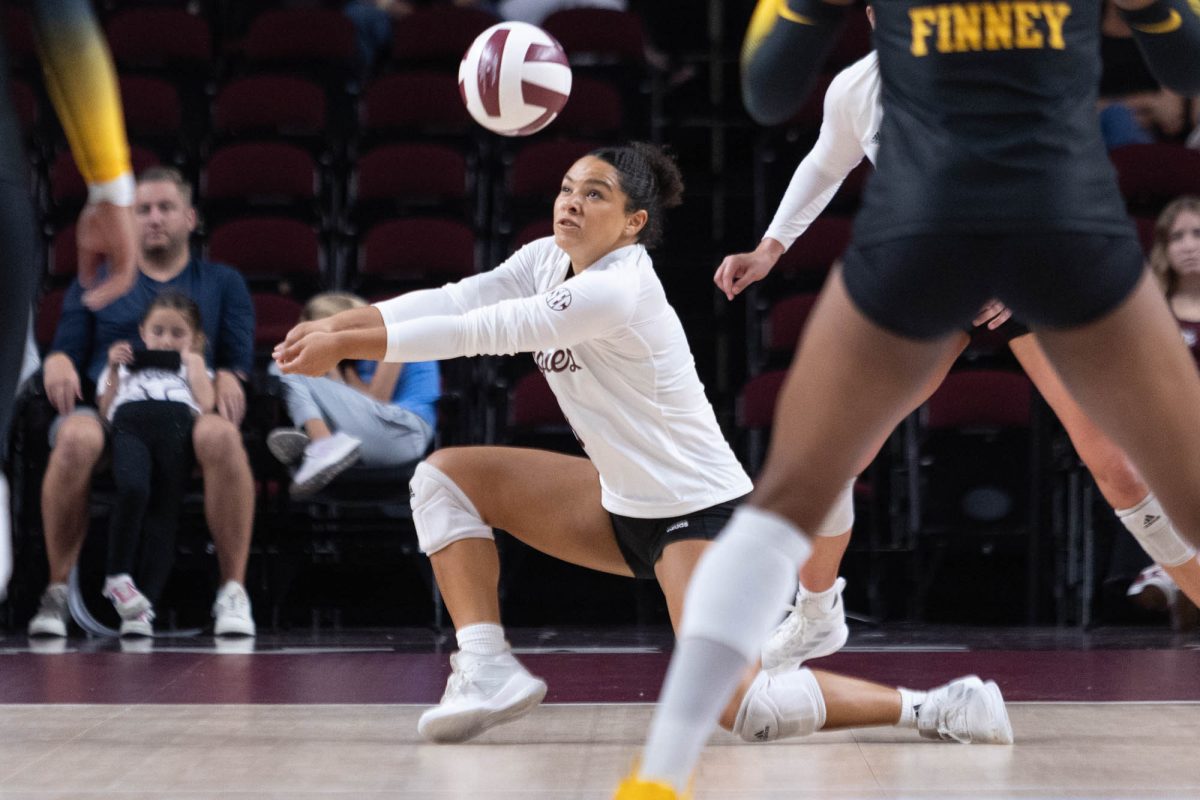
(849, 132)
(993, 182)
(82, 85)
(659, 480)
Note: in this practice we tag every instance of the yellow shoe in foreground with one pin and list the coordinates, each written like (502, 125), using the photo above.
(634, 788)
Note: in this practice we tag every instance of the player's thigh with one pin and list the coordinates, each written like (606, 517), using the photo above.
(852, 381)
(550, 501)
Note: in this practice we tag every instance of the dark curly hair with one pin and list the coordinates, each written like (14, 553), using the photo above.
(650, 179)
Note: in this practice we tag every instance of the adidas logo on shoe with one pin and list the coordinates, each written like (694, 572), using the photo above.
(763, 735)
(1150, 519)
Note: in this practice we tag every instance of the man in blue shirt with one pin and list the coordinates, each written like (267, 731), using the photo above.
(165, 219)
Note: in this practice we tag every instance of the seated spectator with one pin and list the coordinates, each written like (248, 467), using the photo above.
(150, 398)
(1175, 260)
(381, 414)
(164, 220)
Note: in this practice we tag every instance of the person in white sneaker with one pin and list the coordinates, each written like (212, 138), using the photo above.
(853, 115)
(151, 398)
(381, 415)
(164, 218)
(659, 479)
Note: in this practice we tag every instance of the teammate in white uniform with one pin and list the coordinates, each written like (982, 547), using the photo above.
(660, 479)
(849, 132)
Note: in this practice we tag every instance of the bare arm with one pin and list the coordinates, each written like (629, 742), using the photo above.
(199, 382)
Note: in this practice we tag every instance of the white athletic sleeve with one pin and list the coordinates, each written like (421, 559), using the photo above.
(579, 309)
(815, 181)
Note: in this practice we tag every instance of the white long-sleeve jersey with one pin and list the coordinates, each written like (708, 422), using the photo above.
(849, 131)
(615, 355)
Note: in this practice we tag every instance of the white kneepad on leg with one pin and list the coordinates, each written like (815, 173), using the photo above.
(781, 705)
(840, 518)
(1149, 525)
(442, 512)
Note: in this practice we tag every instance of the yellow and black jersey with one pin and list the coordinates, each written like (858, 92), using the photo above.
(989, 108)
(81, 82)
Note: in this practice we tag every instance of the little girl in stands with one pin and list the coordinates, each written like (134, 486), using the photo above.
(151, 398)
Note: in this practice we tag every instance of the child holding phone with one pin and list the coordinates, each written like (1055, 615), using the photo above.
(151, 398)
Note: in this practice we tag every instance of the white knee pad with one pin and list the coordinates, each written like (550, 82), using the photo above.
(743, 580)
(442, 513)
(1149, 525)
(841, 516)
(781, 705)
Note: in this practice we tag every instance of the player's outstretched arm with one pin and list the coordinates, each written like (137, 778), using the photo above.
(786, 43)
(1168, 34)
(81, 82)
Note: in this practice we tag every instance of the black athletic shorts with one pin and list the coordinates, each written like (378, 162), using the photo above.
(642, 541)
(925, 286)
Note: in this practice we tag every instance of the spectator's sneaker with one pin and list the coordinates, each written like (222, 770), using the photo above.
(324, 460)
(231, 612)
(52, 614)
(1153, 589)
(129, 602)
(287, 445)
(808, 632)
(140, 626)
(482, 691)
(635, 788)
(965, 710)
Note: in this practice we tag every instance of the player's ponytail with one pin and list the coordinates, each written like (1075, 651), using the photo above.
(650, 179)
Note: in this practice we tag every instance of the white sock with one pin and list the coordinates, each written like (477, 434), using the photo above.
(116, 580)
(483, 639)
(910, 699)
(824, 600)
(731, 605)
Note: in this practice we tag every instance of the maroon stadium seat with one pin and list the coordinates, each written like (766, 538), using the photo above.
(438, 35)
(267, 247)
(424, 251)
(167, 39)
(273, 105)
(422, 103)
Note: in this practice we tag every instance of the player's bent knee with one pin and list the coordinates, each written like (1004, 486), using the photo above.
(781, 705)
(841, 516)
(442, 512)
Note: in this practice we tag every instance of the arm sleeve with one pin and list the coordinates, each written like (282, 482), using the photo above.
(1168, 34)
(510, 280)
(235, 349)
(784, 47)
(81, 82)
(73, 336)
(583, 308)
(817, 178)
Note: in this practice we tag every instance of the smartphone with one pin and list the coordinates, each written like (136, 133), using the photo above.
(169, 360)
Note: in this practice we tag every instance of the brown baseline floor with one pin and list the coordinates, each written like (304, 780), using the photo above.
(1112, 713)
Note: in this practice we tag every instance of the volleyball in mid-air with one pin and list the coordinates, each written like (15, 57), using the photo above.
(514, 79)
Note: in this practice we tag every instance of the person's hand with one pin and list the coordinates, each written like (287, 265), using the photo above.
(120, 353)
(300, 331)
(231, 399)
(195, 362)
(61, 381)
(105, 234)
(315, 355)
(993, 314)
(738, 271)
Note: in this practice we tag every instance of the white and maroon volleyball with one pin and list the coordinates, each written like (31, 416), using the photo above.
(514, 79)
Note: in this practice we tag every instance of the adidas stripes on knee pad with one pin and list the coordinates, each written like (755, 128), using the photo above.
(442, 513)
(1154, 532)
(781, 705)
